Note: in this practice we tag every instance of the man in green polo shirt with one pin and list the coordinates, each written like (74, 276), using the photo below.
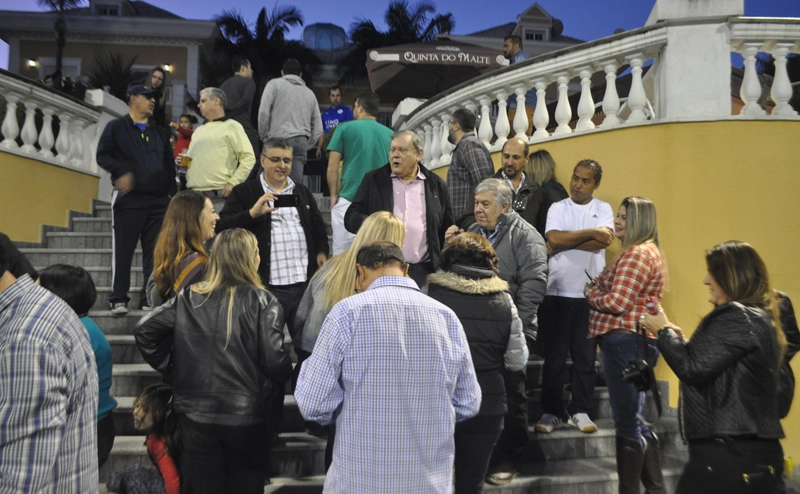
(362, 145)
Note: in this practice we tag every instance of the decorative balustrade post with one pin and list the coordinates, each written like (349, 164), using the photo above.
(521, 117)
(541, 118)
(29, 134)
(76, 149)
(447, 148)
(421, 133)
(781, 85)
(485, 128)
(563, 110)
(436, 143)
(610, 98)
(637, 99)
(10, 125)
(586, 103)
(750, 91)
(46, 139)
(501, 127)
(63, 139)
(426, 157)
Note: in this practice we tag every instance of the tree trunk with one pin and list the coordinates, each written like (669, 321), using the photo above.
(61, 39)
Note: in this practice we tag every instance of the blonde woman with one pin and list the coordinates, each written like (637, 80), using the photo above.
(220, 343)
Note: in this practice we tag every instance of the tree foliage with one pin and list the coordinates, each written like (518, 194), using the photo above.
(60, 28)
(406, 24)
(113, 70)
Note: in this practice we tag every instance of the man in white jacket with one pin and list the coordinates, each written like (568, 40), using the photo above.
(290, 110)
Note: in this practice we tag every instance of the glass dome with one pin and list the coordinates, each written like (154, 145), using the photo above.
(324, 36)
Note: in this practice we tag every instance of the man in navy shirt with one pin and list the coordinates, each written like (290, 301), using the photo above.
(334, 115)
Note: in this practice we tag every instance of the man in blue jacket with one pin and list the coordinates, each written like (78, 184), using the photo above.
(139, 158)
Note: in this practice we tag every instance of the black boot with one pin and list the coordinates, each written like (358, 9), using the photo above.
(629, 465)
(652, 478)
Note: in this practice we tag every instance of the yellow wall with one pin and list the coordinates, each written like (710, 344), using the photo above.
(711, 182)
(33, 193)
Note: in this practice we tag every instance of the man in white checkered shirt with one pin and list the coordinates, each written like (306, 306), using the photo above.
(48, 392)
(393, 369)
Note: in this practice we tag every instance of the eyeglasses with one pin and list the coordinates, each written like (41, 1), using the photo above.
(393, 150)
(276, 159)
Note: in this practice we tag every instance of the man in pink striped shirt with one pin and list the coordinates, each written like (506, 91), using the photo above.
(418, 197)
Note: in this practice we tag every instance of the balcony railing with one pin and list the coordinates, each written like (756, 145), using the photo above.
(688, 80)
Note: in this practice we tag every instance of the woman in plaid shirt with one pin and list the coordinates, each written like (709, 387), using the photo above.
(617, 298)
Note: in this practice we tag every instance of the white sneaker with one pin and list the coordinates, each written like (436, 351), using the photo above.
(582, 422)
(119, 308)
(548, 423)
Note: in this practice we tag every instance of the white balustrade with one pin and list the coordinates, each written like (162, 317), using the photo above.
(563, 109)
(637, 98)
(63, 140)
(447, 148)
(521, 115)
(10, 125)
(436, 143)
(46, 139)
(76, 149)
(610, 98)
(426, 156)
(485, 128)
(501, 127)
(750, 91)
(541, 118)
(28, 134)
(586, 103)
(781, 85)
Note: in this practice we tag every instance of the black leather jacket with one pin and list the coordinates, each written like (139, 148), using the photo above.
(728, 372)
(213, 372)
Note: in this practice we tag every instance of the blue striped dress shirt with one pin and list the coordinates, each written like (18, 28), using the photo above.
(393, 368)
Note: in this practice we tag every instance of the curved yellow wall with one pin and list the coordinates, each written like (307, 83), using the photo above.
(34, 193)
(711, 182)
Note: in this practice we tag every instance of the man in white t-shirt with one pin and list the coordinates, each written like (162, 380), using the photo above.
(579, 229)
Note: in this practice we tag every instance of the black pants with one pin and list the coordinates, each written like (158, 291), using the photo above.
(105, 438)
(223, 459)
(515, 429)
(134, 217)
(563, 331)
(732, 467)
(474, 439)
(289, 297)
(419, 272)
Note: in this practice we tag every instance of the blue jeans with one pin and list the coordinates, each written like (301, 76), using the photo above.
(617, 351)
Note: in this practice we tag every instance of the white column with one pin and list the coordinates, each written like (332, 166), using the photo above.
(485, 128)
(750, 91)
(421, 133)
(637, 99)
(586, 103)
(10, 126)
(29, 134)
(541, 119)
(781, 85)
(76, 149)
(426, 157)
(447, 148)
(46, 139)
(563, 110)
(501, 127)
(63, 139)
(436, 143)
(192, 72)
(521, 117)
(610, 98)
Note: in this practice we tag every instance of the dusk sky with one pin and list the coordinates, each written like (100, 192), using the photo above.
(583, 19)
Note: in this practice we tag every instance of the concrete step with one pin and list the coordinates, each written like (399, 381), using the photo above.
(104, 292)
(102, 211)
(91, 225)
(131, 379)
(124, 349)
(101, 275)
(117, 325)
(75, 257)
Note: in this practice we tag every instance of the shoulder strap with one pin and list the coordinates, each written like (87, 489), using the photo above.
(186, 271)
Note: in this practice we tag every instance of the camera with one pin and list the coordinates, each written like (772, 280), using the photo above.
(639, 374)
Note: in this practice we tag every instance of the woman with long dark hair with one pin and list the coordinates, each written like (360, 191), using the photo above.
(180, 256)
(617, 298)
(222, 342)
(729, 375)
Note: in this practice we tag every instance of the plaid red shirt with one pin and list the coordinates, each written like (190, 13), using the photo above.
(619, 295)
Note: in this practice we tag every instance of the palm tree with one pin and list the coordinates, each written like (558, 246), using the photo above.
(113, 70)
(406, 24)
(60, 27)
(265, 45)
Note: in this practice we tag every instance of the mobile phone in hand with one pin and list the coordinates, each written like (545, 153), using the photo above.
(286, 201)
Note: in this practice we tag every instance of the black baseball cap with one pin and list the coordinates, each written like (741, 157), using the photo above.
(140, 89)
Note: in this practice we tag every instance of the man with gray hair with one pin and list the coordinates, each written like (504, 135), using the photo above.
(471, 163)
(418, 197)
(220, 152)
(523, 264)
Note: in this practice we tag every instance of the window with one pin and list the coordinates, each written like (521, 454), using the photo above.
(112, 10)
(531, 35)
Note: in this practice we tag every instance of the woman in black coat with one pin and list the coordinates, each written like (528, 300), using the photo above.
(729, 374)
(467, 282)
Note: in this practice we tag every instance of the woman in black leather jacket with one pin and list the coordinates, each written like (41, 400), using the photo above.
(728, 372)
(220, 342)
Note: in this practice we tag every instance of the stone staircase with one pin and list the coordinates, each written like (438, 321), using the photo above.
(564, 462)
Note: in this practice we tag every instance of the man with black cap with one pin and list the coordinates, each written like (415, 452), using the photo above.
(138, 155)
